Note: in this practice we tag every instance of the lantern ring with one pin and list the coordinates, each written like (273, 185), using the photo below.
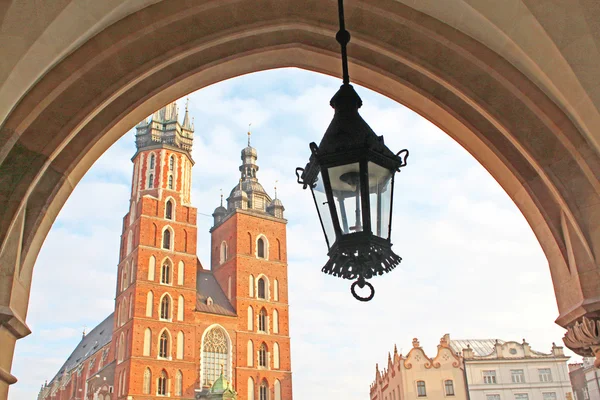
(362, 283)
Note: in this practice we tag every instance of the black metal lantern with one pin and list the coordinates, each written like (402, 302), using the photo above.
(351, 176)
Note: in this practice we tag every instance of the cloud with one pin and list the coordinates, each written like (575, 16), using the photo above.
(471, 265)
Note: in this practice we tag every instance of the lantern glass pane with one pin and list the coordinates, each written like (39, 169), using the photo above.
(345, 187)
(323, 209)
(380, 199)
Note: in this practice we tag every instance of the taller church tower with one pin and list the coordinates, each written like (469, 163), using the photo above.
(249, 260)
(156, 286)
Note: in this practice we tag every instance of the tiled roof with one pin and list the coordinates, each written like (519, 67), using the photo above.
(207, 286)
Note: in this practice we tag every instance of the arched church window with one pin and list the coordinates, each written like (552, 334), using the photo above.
(152, 161)
(165, 307)
(165, 272)
(262, 320)
(215, 352)
(147, 342)
(250, 388)
(275, 355)
(147, 386)
(170, 182)
(151, 181)
(171, 163)
(262, 355)
(163, 345)
(262, 288)
(169, 210)
(260, 248)
(167, 239)
(277, 389)
(179, 384)
(223, 252)
(162, 383)
(263, 391)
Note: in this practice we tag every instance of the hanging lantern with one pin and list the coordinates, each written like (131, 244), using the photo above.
(351, 176)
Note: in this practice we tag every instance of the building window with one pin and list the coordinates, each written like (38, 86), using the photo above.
(275, 355)
(250, 318)
(163, 349)
(277, 389)
(262, 355)
(421, 392)
(215, 352)
(170, 182)
(180, 341)
(167, 239)
(517, 375)
(263, 391)
(262, 288)
(251, 286)
(152, 161)
(171, 163)
(262, 320)
(162, 384)
(165, 307)
(260, 248)
(549, 396)
(223, 253)
(250, 353)
(489, 377)
(165, 272)
(492, 397)
(169, 210)
(151, 181)
(521, 396)
(147, 342)
(250, 388)
(179, 384)
(146, 387)
(449, 386)
(545, 375)
(275, 321)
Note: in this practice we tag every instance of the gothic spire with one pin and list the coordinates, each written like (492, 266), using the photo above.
(186, 119)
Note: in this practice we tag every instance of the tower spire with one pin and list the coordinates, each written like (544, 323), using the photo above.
(249, 133)
(221, 197)
(186, 119)
(276, 188)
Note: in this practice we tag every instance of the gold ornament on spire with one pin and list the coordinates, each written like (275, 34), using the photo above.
(249, 133)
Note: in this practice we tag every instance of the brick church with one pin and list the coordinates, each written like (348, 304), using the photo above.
(180, 330)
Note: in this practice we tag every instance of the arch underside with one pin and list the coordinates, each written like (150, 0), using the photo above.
(542, 154)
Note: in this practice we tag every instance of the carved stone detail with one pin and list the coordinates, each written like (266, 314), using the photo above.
(583, 338)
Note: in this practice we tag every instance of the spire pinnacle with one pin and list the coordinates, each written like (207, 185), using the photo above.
(276, 189)
(221, 197)
(249, 133)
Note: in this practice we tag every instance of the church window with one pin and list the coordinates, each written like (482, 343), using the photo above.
(262, 320)
(251, 286)
(261, 288)
(260, 248)
(121, 351)
(449, 387)
(169, 210)
(147, 385)
(165, 307)
(151, 181)
(421, 392)
(250, 388)
(278, 249)
(180, 272)
(180, 308)
(250, 318)
(262, 355)
(179, 383)
(163, 345)
(170, 181)
(147, 342)
(275, 321)
(277, 389)
(165, 272)
(263, 391)
(215, 353)
(250, 353)
(151, 266)
(162, 383)
(149, 304)
(152, 161)
(171, 163)
(223, 253)
(166, 239)
(275, 355)
(129, 242)
(180, 345)
(276, 290)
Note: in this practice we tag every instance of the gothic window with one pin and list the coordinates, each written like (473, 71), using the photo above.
(147, 381)
(163, 345)
(179, 384)
(262, 320)
(263, 391)
(149, 304)
(162, 383)
(151, 181)
(165, 307)
(421, 392)
(169, 210)
(250, 318)
(277, 389)
(151, 266)
(251, 286)
(171, 163)
(262, 355)
(275, 321)
(215, 352)
(147, 342)
(129, 242)
(260, 248)
(223, 253)
(449, 387)
(275, 355)
(152, 161)
(180, 308)
(250, 353)
(180, 338)
(261, 288)
(180, 272)
(167, 239)
(170, 182)
(276, 290)
(165, 272)
(250, 388)
(121, 351)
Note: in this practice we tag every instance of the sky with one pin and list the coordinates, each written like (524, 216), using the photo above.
(471, 266)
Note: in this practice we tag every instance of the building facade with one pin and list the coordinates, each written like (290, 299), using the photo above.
(417, 376)
(585, 380)
(180, 330)
(499, 370)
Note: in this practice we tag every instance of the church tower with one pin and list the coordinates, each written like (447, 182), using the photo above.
(156, 285)
(249, 260)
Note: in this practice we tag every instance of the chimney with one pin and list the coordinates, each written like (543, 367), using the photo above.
(557, 351)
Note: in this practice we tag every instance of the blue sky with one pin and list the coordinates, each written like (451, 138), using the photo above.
(471, 265)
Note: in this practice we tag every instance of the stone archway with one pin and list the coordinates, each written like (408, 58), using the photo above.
(516, 85)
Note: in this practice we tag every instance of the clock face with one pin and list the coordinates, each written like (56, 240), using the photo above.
(513, 351)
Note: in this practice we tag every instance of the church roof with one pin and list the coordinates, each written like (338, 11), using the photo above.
(208, 287)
